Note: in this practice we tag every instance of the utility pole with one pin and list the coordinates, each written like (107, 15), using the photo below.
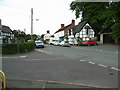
(31, 23)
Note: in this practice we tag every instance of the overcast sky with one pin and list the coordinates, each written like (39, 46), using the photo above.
(51, 14)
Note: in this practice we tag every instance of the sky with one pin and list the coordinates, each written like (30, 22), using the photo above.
(47, 15)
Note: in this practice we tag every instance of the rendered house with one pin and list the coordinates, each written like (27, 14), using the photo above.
(47, 35)
(62, 34)
(83, 31)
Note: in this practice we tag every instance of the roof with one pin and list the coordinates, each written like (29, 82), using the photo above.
(6, 29)
(79, 27)
(61, 29)
(107, 31)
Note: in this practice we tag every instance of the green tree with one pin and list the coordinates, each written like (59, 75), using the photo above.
(101, 15)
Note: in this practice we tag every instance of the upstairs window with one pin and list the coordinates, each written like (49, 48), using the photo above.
(87, 29)
(70, 32)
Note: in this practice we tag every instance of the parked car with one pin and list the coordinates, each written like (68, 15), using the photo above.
(51, 42)
(39, 44)
(64, 44)
(71, 42)
(89, 42)
(56, 43)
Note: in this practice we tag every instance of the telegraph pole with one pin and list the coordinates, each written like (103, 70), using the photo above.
(31, 23)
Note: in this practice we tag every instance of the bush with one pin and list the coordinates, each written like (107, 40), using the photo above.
(13, 48)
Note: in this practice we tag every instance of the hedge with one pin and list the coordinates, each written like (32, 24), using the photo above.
(14, 48)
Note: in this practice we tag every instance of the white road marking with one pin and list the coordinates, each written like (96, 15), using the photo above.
(83, 60)
(43, 59)
(14, 57)
(91, 62)
(115, 68)
(102, 65)
(22, 56)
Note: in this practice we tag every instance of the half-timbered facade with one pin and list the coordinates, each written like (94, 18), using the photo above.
(83, 31)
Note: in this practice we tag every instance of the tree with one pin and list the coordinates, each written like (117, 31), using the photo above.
(19, 35)
(101, 15)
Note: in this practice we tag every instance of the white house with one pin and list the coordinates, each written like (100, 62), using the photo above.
(47, 35)
(83, 31)
(61, 34)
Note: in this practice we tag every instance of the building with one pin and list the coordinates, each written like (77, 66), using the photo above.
(82, 31)
(6, 34)
(105, 37)
(47, 35)
(61, 34)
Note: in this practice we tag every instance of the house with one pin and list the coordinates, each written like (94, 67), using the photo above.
(83, 31)
(47, 35)
(62, 34)
(6, 34)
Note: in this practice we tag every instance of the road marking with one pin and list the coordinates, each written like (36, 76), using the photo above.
(83, 60)
(102, 65)
(22, 56)
(115, 68)
(91, 62)
(14, 57)
(100, 50)
(44, 59)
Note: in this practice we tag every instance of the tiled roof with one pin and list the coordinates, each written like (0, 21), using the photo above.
(6, 29)
(79, 27)
(61, 29)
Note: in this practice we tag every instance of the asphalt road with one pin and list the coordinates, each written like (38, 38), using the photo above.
(44, 68)
(101, 54)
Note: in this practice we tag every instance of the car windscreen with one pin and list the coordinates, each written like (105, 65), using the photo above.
(38, 42)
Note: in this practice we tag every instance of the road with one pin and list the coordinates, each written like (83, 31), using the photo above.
(62, 65)
(104, 54)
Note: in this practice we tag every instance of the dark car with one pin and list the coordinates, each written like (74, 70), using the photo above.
(39, 44)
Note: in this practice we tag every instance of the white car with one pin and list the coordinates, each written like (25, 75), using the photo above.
(56, 43)
(71, 42)
(64, 43)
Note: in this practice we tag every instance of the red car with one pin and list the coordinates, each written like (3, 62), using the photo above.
(89, 43)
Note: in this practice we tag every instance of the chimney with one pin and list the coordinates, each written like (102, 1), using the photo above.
(48, 31)
(62, 25)
(73, 22)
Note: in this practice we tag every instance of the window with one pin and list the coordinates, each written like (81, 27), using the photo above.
(70, 32)
(87, 29)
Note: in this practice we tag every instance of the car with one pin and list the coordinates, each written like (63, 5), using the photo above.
(64, 44)
(71, 42)
(56, 43)
(89, 42)
(39, 44)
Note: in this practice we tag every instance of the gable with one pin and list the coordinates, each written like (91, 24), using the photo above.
(83, 26)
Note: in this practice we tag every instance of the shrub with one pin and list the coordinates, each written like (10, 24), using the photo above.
(13, 48)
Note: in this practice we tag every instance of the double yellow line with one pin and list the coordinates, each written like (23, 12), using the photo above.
(3, 80)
